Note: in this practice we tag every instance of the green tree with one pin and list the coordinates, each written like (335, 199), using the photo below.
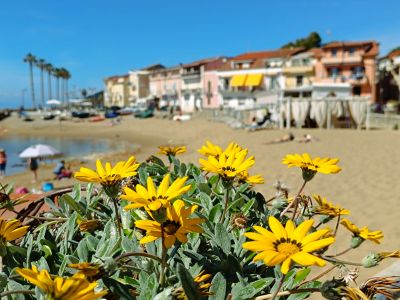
(313, 40)
(49, 69)
(31, 60)
(41, 64)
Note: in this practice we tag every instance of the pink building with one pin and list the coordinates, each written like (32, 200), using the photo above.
(211, 97)
(347, 68)
(165, 85)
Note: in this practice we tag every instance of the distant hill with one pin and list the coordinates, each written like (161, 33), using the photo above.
(313, 40)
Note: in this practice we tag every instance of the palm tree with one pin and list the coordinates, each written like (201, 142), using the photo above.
(67, 76)
(49, 69)
(56, 74)
(62, 74)
(31, 59)
(41, 64)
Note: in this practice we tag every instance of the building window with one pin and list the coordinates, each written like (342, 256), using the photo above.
(334, 72)
(357, 72)
(351, 51)
(209, 92)
(334, 53)
(273, 83)
(299, 80)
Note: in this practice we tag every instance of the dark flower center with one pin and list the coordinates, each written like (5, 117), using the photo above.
(287, 247)
(171, 227)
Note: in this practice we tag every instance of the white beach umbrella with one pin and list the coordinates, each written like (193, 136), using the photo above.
(39, 150)
(53, 102)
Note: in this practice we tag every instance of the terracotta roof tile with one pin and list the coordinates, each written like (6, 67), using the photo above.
(267, 54)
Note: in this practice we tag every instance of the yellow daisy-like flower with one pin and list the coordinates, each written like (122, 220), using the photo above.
(11, 230)
(255, 179)
(153, 199)
(201, 285)
(310, 166)
(172, 150)
(229, 165)
(175, 227)
(92, 271)
(282, 245)
(209, 149)
(108, 175)
(363, 233)
(352, 293)
(327, 208)
(76, 287)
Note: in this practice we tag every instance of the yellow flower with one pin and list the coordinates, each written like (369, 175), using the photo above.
(310, 166)
(76, 287)
(88, 225)
(152, 199)
(350, 293)
(108, 175)
(175, 227)
(327, 208)
(282, 245)
(11, 230)
(172, 150)
(363, 233)
(230, 164)
(209, 149)
(92, 271)
(255, 179)
(201, 285)
(394, 254)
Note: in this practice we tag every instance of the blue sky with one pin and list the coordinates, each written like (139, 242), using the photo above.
(96, 38)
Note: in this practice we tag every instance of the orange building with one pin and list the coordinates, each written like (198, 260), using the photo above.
(346, 69)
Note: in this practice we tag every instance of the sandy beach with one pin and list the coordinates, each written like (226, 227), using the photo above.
(367, 186)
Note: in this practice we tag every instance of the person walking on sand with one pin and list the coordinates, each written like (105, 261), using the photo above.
(3, 162)
(33, 166)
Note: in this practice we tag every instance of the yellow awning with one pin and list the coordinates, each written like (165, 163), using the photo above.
(254, 79)
(238, 80)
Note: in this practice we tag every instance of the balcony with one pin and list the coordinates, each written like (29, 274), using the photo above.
(339, 60)
(191, 75)
(298, 69)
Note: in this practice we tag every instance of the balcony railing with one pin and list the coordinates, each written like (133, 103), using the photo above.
(341, 60)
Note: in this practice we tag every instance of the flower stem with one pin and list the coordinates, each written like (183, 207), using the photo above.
(285, 293)
(27, 292)
(222, 219)
(144, 254)
(337, 225)
(1, 263)
(294, 202)
(342, 262)
(163, 258)
(341, 253)
(319, 275)
(275, 294)
(117, 216)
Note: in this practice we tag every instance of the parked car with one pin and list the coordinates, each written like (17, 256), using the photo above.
(148, 113)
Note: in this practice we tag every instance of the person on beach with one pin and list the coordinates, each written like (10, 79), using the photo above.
(3, 162)
(33, 166)
(283, 139)
(61, 171)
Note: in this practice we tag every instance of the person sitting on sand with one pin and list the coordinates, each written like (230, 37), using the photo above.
(283, 139)
(61, 171)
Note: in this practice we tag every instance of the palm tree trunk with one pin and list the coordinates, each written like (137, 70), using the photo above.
(66, 91)
(49, 83)
(42, 85)
(62, 90)
(32, 85)
(58, 88)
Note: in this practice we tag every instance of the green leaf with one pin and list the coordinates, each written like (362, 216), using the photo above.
(218, 287)
(246, 208)
(82, 251)
(128, 245)
(165, 294)
(75, 206)
(301, 275)
(215, 213)
(47, 251)
(148, 289)
(118, 288)
(203, 187)
(91, 243)
(222, 238)
(300, 296)
(187, 282)
(142, 175)
(246, 292)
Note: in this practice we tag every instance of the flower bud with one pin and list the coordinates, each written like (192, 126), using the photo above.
(308, 174)
(112, 190)
(356, 241)
(279, 203)
(371, 260)
(331, 289)
(325, 219)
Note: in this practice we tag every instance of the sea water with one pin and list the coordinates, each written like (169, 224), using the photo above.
(70, 148)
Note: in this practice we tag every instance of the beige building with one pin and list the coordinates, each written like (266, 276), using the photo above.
(116, 91)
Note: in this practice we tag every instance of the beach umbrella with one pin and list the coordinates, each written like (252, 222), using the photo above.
(40, 150)
(53, 102)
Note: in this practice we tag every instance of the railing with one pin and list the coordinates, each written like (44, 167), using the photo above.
(384, 121)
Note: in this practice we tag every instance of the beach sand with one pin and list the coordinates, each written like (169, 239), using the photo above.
(368, 184)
